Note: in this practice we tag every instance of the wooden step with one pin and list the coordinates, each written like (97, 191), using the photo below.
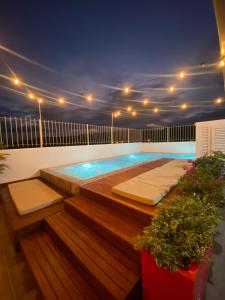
(108, 270)
(55, 275)
(128, 207)
(114, 226)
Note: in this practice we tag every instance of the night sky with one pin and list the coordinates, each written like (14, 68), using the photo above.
(93, 44)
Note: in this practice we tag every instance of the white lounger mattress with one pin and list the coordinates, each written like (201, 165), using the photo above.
(150, 187)
(31, 195)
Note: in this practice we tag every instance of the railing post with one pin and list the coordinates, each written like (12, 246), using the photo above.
(111, 134)
(41, 133)
(128, 135)
(168, 134)
(88, 142)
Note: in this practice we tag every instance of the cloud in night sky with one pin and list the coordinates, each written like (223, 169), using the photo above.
(114, 46)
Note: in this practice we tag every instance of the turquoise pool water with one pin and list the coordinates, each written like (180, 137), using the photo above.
(92, 169)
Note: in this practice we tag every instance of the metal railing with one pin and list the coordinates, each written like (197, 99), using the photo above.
(20, 132)
(180, 133)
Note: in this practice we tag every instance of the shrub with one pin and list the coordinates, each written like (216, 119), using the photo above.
(205, 179)
(180, 234)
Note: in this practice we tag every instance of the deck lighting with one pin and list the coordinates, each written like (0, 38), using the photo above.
(156, 110)
(182, 75)
(129, 108)
(31, 96)
(61, 100)
(171, 89)
(16, 81)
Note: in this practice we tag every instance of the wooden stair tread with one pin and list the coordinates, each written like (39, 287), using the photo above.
(55, 275)
(92, 253)
(122, 225)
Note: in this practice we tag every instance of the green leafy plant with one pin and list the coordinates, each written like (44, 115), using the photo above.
(180, 234)
(205, 179)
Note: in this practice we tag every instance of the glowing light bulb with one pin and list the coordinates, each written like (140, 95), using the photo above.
(118, 113)
(219, 101)
(126, 90)
(171, 89)
(156, 110)
(134, 113)
(145, 101)
(89, 98)
(221, 63)
(115, 115)
(129, 108)
(31, 96)
(222, 51)
(61, 100)
(182, 75)
(16, 81)
(40, 100)
(184, 106)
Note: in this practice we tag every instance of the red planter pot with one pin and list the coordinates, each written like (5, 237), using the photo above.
(161, 284)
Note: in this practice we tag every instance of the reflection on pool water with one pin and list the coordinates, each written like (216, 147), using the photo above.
(92, 169)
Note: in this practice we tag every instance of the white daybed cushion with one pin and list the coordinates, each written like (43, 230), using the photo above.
(140, 191)
(151, 186)
(31, 195)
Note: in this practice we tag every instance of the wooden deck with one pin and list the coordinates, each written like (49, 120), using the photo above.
(101, 191)
(21, 226)
(86, 250)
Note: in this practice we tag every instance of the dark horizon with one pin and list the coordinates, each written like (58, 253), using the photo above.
(91, 44)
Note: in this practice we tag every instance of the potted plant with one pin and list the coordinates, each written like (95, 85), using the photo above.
(175, 250)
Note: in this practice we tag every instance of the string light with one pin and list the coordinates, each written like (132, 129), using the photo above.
(156, 110)
(145, 101)
(219, 101)
(31, 96)
(221, 63)
(182, 75)
(222, 51)
(16, 81)
(61, 100)
(184, 106)
(118, 113)
(126, 90)
(89, 98)
(171, 89)
(134, 113)
(129, 108)
(40, 100)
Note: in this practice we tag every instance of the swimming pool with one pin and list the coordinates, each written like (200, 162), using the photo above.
(92, 169)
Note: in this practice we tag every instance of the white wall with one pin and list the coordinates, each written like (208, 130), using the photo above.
(170, 147)
(25, 163)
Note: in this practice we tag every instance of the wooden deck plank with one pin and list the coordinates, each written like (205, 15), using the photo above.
(101, 260)
(97, 278)
(81, 285)
(52, 277)
(40, 277)
(62, 275)
(101, 190)
(97, 247)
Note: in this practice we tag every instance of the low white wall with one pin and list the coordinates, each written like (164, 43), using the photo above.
(170, 147)
(25, 163)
